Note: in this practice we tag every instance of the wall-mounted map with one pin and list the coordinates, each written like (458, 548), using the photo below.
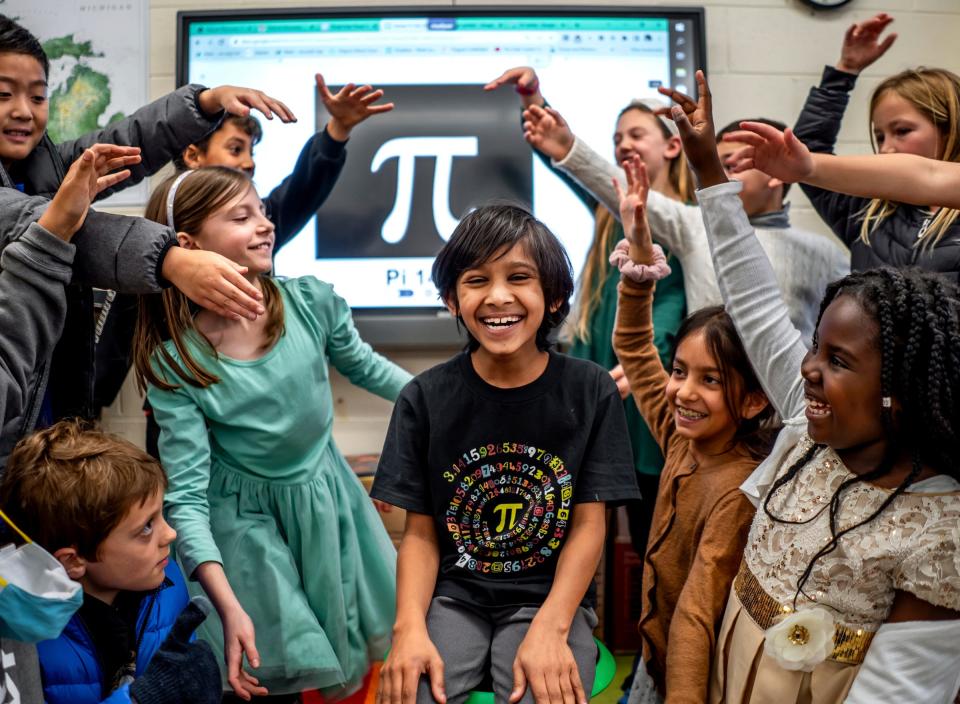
(98, 51)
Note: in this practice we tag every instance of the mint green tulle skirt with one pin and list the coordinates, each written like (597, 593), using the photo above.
(313, 567)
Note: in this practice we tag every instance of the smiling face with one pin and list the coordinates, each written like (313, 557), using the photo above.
(23, 106)
(899, 128)
(502, 305)
(639, 132)
(842, 380)
(239, 231)
(134, 555)
(228, 146)
(696, 396)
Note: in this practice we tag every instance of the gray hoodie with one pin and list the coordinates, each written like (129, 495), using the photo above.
(109, 251)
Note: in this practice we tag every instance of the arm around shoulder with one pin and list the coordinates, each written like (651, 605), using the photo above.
(162, 129)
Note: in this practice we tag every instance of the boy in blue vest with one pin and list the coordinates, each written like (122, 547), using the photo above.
(96, 503)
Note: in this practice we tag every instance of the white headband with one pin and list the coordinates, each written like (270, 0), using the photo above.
(172, 194)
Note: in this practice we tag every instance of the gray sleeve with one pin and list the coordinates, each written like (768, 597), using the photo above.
(753, 299)
(34, 269)
(120, 252)
(112, 251)
(162, 129)
(673, 224)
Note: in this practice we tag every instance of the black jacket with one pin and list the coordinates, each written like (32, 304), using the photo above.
(895, 241)
(112, 251)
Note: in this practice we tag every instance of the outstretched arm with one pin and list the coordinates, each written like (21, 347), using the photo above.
(746, 278)
(903, 178)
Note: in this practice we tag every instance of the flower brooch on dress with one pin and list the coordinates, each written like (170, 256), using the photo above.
(801, 640)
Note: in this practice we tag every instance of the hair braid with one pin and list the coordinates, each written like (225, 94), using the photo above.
(918, 320)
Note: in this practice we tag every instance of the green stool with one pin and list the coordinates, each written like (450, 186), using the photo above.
(606, 669)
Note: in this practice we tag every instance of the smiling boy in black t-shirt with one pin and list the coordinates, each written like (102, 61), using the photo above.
(504, 457)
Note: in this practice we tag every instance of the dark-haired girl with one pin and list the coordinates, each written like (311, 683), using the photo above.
(706, 413)
(850, 584)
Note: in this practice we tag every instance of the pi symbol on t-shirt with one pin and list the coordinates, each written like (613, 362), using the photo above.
(508, 512)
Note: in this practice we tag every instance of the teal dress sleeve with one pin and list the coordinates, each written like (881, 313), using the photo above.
(185, 451)
(348, 353)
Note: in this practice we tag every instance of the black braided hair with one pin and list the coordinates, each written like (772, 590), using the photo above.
(918, 316)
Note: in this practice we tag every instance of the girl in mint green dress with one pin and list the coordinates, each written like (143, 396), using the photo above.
(270, 518)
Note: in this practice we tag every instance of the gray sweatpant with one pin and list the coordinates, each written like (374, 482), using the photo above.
(471, 639)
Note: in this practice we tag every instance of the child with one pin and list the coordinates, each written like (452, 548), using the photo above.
(95, 502)
(113, 252)
(289, 206)
(33, 278)
(297, 199)
(904, 177)
(707, 413)
(913, 112)
(638, 131)
(504, 458)
(858, 531)
(680, 228)
(272, 521)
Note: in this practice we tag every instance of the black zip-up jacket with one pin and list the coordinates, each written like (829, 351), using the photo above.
(897, 240)
(112, 251)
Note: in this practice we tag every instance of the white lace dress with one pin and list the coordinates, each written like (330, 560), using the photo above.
(913, 546)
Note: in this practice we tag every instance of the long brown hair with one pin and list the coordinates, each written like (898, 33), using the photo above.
(169, 315)
(935, 93)
(593, 276)
(754, 435)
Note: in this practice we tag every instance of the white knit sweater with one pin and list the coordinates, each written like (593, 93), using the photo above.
(804, 262)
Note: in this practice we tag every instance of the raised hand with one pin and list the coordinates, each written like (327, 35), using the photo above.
(633, 209)
(862, 44)
(525, 82)
(239, 101)
(350, 106)
(546, 131)
(695, 123)
(775, 153)
(93, 172)
(214, 282)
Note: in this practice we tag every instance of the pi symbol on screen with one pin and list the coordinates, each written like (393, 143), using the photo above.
(443, 150)
(412, 174)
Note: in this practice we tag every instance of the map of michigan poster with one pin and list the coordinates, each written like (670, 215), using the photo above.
(98, 51)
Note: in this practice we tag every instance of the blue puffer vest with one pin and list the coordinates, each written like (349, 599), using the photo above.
(68, 664)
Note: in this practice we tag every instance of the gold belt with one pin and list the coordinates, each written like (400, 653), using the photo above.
(850, 644)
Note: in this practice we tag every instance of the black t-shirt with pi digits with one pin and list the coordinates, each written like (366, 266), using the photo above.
(501, 471)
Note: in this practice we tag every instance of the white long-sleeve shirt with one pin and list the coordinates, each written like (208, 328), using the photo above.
(804, 262)
(912, 661)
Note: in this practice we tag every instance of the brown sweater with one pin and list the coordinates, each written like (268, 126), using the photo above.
(700, 523)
